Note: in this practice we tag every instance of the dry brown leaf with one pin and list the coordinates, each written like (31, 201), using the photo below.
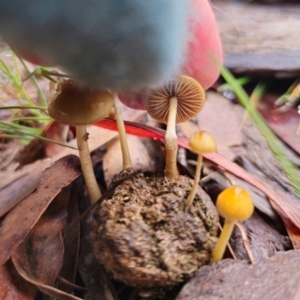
(39, 258)
(40, 149)
(220, 119)
(140, 158)
(9, 152)
(285, 125)
(13, 286)
(19, 221)
(188, 128)
(71, 242)
(15, 186)
(40, 254)
(49, 290)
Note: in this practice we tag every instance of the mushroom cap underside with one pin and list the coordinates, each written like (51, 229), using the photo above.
(190, 99)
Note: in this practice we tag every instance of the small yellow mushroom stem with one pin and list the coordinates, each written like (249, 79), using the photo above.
(86, 163)
(122, 133)
(196, 180)
(171, 141)
(219, 250)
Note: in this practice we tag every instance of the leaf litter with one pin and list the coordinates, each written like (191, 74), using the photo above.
(73, 250)
(39, 258)
(20, 220)
(87, 261)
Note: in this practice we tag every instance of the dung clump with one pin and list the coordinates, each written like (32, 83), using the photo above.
(145, 236)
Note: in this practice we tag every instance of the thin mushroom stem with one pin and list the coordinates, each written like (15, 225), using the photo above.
(86, 163)
(220, 247)
(122, 133)
(171, 141)
(196, 180)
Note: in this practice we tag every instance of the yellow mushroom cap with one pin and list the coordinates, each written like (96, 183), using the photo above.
(235, 203)
(74, 104)
(190, 96)
(202, 142)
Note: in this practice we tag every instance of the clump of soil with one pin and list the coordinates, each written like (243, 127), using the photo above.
(145, 236)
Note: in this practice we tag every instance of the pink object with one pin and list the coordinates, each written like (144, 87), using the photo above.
(203, 43)
(33, 58)
(203, 40)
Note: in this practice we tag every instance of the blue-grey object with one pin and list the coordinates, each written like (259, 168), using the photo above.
(118, 44)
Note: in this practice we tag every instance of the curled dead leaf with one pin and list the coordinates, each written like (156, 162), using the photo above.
(19, 221)
(13, 286)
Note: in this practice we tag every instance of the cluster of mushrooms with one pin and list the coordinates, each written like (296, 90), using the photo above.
(178, 101)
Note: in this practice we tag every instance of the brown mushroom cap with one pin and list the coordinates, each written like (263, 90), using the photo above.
(74, 104)
(190, 96)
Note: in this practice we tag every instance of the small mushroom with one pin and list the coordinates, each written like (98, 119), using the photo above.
(178, 101)
(77, 105)
(234, 204)
(200, 143)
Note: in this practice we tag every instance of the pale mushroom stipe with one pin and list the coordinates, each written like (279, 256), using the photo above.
(234, 204)
(176, 102)
(122, 132)
(77, 105)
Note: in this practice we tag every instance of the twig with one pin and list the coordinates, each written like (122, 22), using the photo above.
(246, 242)
(71, 284)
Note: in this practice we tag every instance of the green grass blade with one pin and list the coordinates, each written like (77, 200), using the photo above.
(34, 81)
(241, 80)
(32, 119)
(15, 82)
(256, 95)
(274, 143)
(23, 107)
(24, 131)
